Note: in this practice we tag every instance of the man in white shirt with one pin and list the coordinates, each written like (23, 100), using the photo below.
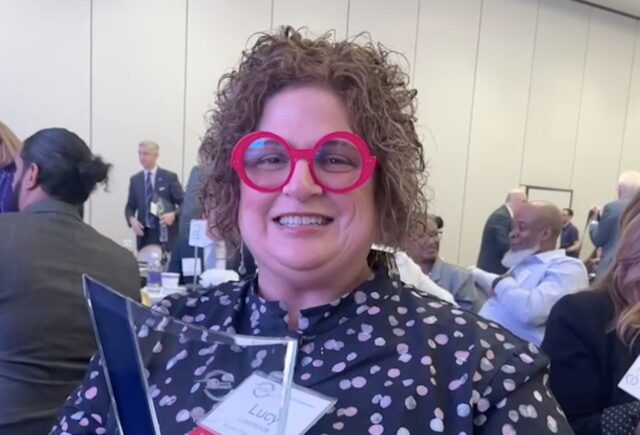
(538, 274)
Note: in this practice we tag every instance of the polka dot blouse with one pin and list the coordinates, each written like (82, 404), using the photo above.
(398, 362)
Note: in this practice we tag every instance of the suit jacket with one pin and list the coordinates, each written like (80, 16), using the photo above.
(495, 241)
(46, 339)
(606, 233)
(459, 282)
(167, 188)
(587, 359)
(191, 207)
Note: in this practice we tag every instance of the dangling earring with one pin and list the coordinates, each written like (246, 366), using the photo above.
(242, 269)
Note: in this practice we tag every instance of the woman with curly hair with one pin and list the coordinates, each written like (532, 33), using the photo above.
(592, 341)
(10, 145)
(310, 158)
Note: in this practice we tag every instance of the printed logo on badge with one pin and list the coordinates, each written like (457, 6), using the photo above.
(252, 408)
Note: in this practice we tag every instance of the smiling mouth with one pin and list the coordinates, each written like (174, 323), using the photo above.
(302, 221)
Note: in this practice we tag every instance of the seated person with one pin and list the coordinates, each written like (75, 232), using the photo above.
(46, 339)
(592, 340)
(425, 250)
(312, 157)
(538, 274)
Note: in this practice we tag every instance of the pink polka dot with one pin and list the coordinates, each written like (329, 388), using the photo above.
(339, 367)
(393, 373)
(101, 431)
(426, 360)
(376, 429)
(373, 310)
(402, 348)
(91, 393)
(442, 339)
(84, 422)
(350, 411)
(358, 382)
(454, 385)
(422, 390)
(305, 376)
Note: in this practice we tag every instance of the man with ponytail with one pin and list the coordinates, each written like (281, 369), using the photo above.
(46, 339)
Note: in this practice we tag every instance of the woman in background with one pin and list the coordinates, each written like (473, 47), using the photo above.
(592, 341)
(9, 146)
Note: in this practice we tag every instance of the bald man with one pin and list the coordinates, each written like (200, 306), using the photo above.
(538, 274)
(495, 235)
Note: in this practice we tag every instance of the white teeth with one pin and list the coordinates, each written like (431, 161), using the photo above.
(296, 221)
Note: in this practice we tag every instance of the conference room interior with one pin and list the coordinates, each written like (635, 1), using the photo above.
(532, 97)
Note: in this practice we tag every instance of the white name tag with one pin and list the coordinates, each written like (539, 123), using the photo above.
(630, 382)
(153, 209)
(198, 233)
(253, 407)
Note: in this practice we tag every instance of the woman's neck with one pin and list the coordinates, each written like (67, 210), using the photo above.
(307, 290)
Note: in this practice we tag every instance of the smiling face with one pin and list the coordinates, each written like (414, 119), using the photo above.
(301, 231)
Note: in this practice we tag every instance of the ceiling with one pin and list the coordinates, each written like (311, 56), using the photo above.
(626, 7)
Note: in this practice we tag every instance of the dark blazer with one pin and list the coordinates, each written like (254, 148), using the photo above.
(587, 361)
(183, 250)
(191, 207)
(606, 233)
(46, 339)
(167, 187)
(495, 241)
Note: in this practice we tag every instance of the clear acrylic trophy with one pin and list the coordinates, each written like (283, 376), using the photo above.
(227, 384)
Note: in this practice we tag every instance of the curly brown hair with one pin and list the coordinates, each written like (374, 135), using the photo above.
(380, 104)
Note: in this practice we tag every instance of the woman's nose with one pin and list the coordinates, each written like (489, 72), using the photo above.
(301, 185)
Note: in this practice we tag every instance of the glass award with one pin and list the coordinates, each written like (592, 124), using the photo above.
(221, 383)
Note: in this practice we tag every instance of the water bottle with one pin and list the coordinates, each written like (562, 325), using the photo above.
(154, 274)
(164, 233)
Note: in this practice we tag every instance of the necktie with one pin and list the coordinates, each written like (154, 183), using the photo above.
(148, 196)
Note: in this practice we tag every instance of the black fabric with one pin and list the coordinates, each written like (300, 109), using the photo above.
(495, 241)
(46, 339)
(587, 359)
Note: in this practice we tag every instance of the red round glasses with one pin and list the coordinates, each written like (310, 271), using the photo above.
(339, 162)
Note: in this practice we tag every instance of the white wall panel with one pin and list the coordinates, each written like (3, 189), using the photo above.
(138, 93)
(391, 23)
(218, 32)
(318, 17)
(556, 87)
(604, 104)
(444, 76)
(44, 77)
(499, 112)
(630, 158)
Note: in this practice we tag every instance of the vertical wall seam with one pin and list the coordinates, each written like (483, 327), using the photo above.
(626, 114)
(184, 93)
(584, 73)
(348, 16)
(90, 214)
(415, 45)
(473, 100)
(526, 116)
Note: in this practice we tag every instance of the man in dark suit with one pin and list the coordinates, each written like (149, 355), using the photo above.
(155, 197)
(46, 339)
(191, 207)
(495, 236)
(603, 228)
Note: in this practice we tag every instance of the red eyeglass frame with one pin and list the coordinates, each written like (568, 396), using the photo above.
(368, 160)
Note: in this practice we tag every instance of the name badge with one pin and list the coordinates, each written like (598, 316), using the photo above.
(630, 382)
(253, 407)
(191, 265)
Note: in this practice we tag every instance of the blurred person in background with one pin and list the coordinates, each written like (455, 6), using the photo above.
(154, 201)
(592, 341)
(425, 251)
(495, 235)
(538, 273)
(9, 146)
(570, 236)
(605, 222)
(46, 339)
